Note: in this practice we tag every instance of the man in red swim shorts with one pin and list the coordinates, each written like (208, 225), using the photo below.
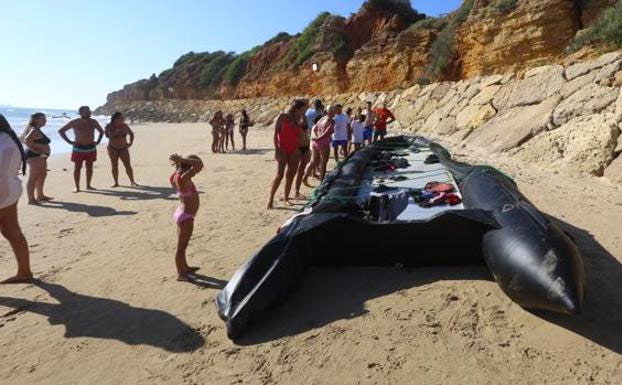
(84, 144)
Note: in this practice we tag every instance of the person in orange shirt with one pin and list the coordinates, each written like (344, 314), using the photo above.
(384, 117)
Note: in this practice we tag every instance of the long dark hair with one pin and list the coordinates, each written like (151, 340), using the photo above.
(6, 128)
(114, 117)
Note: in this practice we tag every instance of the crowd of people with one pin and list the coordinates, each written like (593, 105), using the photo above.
(223, 130)
(32, 149)
(303, 137)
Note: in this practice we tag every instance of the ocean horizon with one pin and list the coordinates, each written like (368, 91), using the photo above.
(18, 118)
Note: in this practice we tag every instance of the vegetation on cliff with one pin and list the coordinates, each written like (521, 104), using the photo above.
(308, 43)
(387, 44)
(606, 30)
(434, 23)
(442, 51)
(401, 8)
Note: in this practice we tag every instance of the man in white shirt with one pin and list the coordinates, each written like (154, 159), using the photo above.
(340, 136)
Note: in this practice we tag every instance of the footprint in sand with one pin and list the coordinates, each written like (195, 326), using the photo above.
(65, 232)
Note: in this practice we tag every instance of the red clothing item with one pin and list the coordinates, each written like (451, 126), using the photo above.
(383, 115)
(288, 136)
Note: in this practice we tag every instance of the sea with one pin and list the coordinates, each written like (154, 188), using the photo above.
(18, 119)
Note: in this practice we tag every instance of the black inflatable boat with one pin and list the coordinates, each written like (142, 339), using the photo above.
(404, 202)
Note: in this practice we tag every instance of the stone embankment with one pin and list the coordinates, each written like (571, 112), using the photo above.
(563, 117)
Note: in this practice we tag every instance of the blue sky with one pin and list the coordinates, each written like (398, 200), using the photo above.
(65, 53)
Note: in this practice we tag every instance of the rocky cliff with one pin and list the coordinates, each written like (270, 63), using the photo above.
(385, 45)
(567, 118)
(505, 82)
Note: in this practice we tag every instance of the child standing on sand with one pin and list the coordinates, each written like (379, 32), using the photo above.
(358, 132)
(181, 180)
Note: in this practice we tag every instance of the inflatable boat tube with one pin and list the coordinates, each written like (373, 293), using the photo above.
(531, 259)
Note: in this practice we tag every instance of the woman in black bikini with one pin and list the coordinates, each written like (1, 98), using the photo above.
(38, 150)
(304, 146)
(118, 147)
(245, 123)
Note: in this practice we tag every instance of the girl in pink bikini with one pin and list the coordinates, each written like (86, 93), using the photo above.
(181, 180)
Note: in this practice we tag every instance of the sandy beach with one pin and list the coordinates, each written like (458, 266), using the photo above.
(108, 309)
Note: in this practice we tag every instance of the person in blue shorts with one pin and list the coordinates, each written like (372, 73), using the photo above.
(370, 121)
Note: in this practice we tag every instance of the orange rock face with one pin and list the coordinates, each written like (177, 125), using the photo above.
(380, 52)
(390, 63)
(535, 31)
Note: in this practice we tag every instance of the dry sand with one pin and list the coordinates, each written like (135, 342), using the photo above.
(109, 310)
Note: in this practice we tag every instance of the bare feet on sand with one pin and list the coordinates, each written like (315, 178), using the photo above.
(114, 185)
(186, 276)
(90, 188)
(76, 190)
(33, 202)
(45, 198)
(301, 197)
(18, 279)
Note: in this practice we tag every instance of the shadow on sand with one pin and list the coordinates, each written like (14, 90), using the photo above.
(327, 295)
(330, 294)
(253, 151)
(206, 282)
(91, 210)
(601, 318)
(139, 193)
(85, 316)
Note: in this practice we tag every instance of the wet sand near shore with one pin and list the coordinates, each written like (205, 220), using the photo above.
(108, 309)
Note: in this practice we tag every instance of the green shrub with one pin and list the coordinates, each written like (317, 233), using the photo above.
(435, 23)
(281, 36)
(303, 48)
(402, 8)
(441, 52)
(606, 29)
(339, 47)
(423, 81)
(184, 59)
(306, 44)
(236, 70)
(165, 73)
(463, 12)
(213, 71)
(505, 6)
